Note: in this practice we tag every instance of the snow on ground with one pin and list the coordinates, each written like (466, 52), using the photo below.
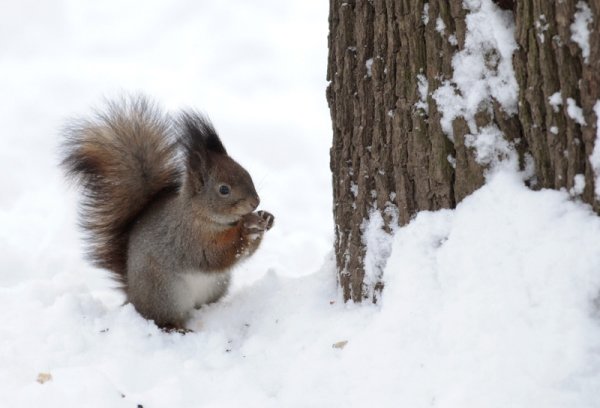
(488, 305)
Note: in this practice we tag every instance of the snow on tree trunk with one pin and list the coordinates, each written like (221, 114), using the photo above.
(425, 97)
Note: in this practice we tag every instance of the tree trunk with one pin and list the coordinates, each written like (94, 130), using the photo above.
(390, 149)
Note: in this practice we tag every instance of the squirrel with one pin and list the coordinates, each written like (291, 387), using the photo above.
(164, 207)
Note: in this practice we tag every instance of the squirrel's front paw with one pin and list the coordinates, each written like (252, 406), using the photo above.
(267, 217)
(255, 224)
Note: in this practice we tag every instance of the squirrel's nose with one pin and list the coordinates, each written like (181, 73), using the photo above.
(255, 201)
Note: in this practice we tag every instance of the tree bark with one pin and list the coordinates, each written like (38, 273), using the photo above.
(389, 149)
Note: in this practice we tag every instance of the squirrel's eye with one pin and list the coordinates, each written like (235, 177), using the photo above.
(224, 190)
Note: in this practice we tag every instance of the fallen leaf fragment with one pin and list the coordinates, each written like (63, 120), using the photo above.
(340, 344)
(44, 377)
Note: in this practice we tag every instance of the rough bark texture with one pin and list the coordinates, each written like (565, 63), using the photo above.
(548, 61)
(388, 151)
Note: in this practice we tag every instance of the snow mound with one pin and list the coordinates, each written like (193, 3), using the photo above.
(494, 303)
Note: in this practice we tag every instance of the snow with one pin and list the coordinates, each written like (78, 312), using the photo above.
(369, 66)
(580, 32)
(555, 101)
(578, 185)
(440, 26)
(529, 170)
(378, 244)
(423, 88)
(500, 295)
(452, 160)
(453, 40)
(541, 26)
(483, 69)
(354, 189)
(488, 305)
(425, 14)
(490, 146)
(575, 112)
(595, 156)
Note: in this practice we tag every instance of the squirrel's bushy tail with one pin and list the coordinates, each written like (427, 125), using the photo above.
(124, 158)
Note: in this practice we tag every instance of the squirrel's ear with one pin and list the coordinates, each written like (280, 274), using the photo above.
(200, 141)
